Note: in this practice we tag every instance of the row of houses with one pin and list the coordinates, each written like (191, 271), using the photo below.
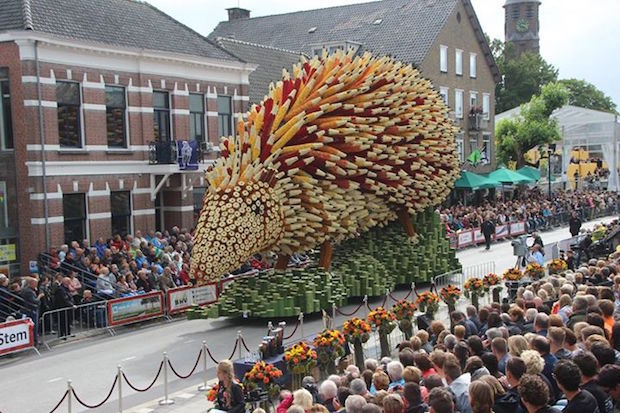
(111, 110)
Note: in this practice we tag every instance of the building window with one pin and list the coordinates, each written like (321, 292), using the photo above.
(443, 92)
(486, 148)
(6, 120)
(120, 205)
(74, 212)
(224, 115)
(116, 116)
(198, 193)
(529, 11)
(161, 117)
(443, 58)
(473, 143)
(459, 62)
(473, 101)
(69, 114)
(458, 103)
(197, 117)
(472, 65)
(459, 147)
(486, 105)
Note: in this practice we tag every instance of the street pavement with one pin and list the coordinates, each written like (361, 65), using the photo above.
(35, 384)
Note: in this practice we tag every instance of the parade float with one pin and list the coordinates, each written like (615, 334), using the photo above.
(347, 157)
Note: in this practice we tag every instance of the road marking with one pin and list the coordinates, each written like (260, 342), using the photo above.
(54, 379)
(185, 395)
(128, 358)
(188, 341)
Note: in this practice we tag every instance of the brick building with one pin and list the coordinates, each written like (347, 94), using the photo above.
(521, 26)
(95, 97)
(443, 38)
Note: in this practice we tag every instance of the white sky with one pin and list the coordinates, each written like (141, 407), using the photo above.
(581, 38)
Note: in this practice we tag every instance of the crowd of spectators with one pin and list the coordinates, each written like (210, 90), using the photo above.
(555, 347)
(533, 207)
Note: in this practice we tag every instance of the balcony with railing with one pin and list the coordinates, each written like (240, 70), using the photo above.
(477, 120)
(185, 153)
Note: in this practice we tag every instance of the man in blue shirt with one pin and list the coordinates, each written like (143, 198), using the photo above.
(537, 255)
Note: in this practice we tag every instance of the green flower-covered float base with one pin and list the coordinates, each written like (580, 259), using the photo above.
(378, 260)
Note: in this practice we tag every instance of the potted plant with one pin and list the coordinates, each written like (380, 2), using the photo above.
(429, 303)
(329, 347)
(474, 289)
(384, 324)
(403, 311)
(357, 332)
(300, 359)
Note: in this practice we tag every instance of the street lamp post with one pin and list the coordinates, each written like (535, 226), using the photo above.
(550, 151)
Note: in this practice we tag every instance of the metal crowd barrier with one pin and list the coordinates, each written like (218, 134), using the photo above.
(59, 324)
(458, 277)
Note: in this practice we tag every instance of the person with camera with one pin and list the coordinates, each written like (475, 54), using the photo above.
(229, 394)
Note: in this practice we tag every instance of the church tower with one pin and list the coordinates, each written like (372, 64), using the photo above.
(521, 26)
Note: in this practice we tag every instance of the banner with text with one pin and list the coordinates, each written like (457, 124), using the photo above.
(139, 307)
(16, 335)
(181, 299)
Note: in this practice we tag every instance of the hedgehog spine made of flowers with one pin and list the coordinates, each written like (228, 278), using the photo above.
(340, 145)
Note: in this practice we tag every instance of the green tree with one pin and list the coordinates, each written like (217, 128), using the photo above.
(584, 94)
(533, 127)
(522, 77)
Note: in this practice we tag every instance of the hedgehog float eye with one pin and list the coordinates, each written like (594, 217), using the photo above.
(257, 207)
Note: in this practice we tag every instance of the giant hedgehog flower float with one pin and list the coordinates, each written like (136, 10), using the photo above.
(343, 144)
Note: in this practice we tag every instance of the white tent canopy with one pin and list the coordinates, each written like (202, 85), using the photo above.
(582, 127)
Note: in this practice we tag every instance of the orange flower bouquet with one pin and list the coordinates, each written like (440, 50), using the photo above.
(300, 360)
(557, 265)
(492, 282)
(535, 271)
(474, 288)
(404, 311)
(357, 331)
(513, 274)
(450, 294)
(212, 393)
(329, 347)
(428, 302)
(263, 375)
(383, 321)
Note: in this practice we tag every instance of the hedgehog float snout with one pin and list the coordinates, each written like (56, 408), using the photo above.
(235, 223)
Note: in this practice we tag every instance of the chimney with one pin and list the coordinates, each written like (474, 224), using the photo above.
(237, 13)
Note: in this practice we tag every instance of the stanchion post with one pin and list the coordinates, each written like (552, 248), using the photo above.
(334, 313)
(269, 327)
(166, 401)
(387, 296)
(366, 305)
(69, 396)
(239, 342)
(412, 289)
(119, 379)
(203, 386)
(301, 323)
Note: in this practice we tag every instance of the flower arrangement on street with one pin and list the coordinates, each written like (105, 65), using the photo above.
(428, 302)
(513, 274)
(357, 332)
(535, 271)
(329, 346)
(403, 312)
(300, 360)
(383, 322)
(490, 281)
(474, 289)
(263, 375)
(356, 329)
(557, 265)
(450, 294)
